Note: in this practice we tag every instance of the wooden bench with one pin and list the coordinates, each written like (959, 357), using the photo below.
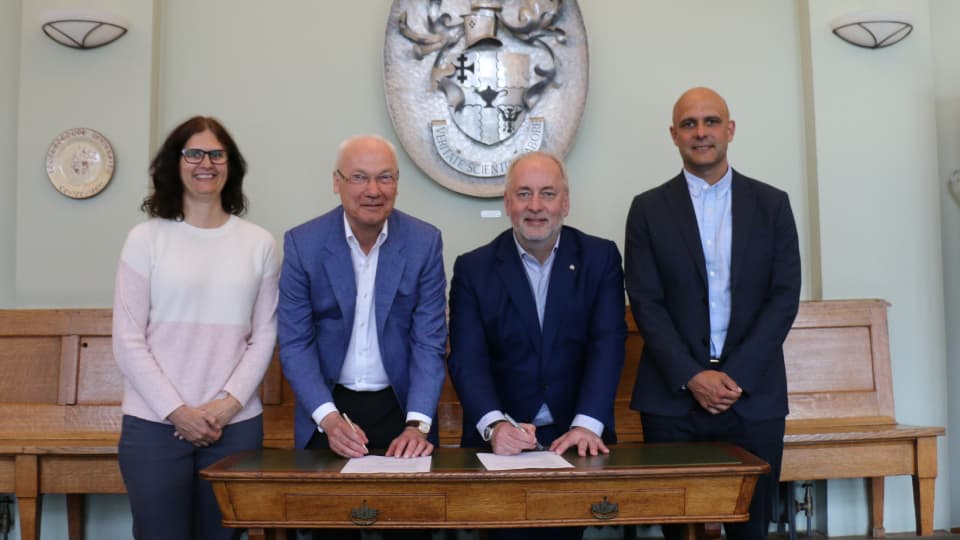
(60, 418)
(842, 422)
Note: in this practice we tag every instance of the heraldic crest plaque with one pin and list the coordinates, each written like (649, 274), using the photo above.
(472, 84)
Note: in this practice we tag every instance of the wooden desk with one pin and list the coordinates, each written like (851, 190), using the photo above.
(678, 483)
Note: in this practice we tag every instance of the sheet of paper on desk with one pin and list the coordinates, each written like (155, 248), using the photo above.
(381, 464)
(523, 460)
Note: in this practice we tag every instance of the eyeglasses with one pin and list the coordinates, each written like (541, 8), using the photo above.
(359, 179)
(195, 155)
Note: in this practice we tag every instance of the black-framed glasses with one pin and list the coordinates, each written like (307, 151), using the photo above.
(359, 179)
(195, 155)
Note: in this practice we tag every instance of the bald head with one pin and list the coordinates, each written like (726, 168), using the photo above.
(702, 129)
(700, 95)
(366, 180)
(363, 144)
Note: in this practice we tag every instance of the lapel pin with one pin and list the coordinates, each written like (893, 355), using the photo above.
(572, 267)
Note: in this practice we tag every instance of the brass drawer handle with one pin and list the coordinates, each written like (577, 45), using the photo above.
(605, 509)
(363, 515)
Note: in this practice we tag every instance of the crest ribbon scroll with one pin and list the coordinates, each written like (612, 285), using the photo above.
(472, 84)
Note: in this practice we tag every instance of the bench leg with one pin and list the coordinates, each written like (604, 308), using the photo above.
(693, 531)
(875, 493)
(76, 505)
(29, 514)
(27, 490)
(923, 503)
(923, 484)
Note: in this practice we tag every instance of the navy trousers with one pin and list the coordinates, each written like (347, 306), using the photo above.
(762, 438)
(167, 497)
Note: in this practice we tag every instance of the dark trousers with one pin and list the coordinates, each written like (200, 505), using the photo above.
(377, 413)
(379, 416)
(762, 438)
(167, 497)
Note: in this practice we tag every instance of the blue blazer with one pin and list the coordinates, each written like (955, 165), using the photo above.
(318, 302)
(500, 359)
(667, 285)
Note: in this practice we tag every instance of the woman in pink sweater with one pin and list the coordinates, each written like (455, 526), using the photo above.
(194, 328)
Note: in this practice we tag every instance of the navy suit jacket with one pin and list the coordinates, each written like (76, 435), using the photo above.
(499, 357)
(667, 285)
(318, 302)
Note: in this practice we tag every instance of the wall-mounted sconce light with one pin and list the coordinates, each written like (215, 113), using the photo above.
(954, 184)
(82, 29)
(872, 29)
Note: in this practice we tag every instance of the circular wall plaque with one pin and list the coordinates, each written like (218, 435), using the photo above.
(473, 84)
(80, 163)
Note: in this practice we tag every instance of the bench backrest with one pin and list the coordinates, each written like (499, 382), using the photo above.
(59, 379)
(57, 375)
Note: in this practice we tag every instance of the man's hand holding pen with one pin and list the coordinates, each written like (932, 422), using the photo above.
(509, 438)
(345, 437)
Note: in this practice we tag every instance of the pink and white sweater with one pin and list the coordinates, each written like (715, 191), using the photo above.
(194, 315)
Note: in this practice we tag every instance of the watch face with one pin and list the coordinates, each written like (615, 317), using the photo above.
(422, 427)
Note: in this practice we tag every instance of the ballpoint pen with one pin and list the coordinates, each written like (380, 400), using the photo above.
(354, 428)
(516, 425)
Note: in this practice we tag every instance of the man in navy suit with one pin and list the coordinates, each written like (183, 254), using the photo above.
(712, 267)
(361, 315)
(537, 328)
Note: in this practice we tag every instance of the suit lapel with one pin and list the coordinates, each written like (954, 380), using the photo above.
(678, 198)
(390, 265)
(743, 206)
(339, 268)
(566, 264)
(510, 270)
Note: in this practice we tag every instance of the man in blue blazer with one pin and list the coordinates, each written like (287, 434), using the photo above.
(361, 315)
(712, 267)
(537, 327)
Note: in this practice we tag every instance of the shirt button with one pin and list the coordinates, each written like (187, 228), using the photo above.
(712, 274)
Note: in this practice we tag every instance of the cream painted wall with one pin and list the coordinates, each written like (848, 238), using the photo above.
(67, 249)
(9, 89)
(290, 115)
(291, 78)
(879, 206)
(943, 16)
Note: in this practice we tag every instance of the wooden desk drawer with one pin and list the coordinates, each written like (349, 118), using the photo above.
(389, 507)
(631, 503)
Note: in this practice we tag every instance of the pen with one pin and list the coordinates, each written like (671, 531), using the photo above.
(354, 428)
(516, 425)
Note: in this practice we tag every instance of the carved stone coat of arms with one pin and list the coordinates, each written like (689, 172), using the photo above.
(472, 84)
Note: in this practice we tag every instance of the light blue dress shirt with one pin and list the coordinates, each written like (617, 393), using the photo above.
(712, 205)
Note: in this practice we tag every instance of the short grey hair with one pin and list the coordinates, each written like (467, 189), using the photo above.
(538, 153)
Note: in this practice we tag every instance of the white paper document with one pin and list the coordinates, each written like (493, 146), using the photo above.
(381, 464)
(523, 460)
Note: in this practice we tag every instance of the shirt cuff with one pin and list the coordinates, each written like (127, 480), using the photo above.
(321, 412)
(588, 422)
(489, 418)
(419, 417)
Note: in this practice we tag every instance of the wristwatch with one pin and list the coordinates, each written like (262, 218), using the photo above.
(488, 431)
(422, 427)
